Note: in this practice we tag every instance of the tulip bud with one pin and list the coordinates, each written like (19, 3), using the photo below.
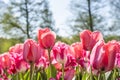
(89, 39)
(46, 38)
(103, 56)
(97, 54)
(31, 51)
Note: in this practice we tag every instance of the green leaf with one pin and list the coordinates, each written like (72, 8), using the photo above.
(26, 75)
(53, 72)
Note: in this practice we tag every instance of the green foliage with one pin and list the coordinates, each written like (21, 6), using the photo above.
(23, 17)
(112, 37)
(69, 40)
(5, 44)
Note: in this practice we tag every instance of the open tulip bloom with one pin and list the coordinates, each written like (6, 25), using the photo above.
(47, 59)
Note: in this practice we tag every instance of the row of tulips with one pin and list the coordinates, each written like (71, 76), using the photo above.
(89, 59)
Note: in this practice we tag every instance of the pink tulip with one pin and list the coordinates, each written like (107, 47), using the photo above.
(77, 50)
(5, 60)
(1, 70)
(46, 38)
(31, 51)
(42, 63)
(69, 74)
(59, 51)
(18, 48)
(89, 39)
(103, 56)
(117, 61)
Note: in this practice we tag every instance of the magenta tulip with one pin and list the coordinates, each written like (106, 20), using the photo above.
(60, 53)
(46, 38)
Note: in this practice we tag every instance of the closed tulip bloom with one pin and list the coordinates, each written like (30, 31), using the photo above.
(60, 53)
(110, 51)
(31, 51)
(97, 54)
(46, 38)
(89, 39)
(103, 56)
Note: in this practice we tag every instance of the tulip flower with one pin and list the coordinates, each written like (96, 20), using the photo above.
(46, 38)
(103, 56)
(18, 48)
(5, 60)
(78, 50)
(89, 39)
(31, 51)
(59, 52)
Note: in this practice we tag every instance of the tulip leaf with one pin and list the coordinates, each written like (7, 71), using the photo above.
(53, 72)
(26, 75)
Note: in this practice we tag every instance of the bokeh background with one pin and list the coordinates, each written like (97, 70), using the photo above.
(20, 19)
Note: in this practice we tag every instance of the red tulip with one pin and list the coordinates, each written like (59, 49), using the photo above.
(89, 39)
(103, 56)
(31, 51)
(46, 38)
(60, 53)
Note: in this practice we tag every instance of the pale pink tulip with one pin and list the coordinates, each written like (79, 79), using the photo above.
(31, 51)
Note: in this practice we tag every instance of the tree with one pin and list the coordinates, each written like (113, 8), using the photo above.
(25, 16)
(115, 15)
(86, 14)
(47, 20)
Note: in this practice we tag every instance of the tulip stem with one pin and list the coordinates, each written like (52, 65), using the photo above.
(31, 70)
(101, 76)
(62, 71)
(50, 66)
(91, 74)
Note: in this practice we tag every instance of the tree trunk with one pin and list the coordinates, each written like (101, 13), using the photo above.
(27, 19)
(90, 16)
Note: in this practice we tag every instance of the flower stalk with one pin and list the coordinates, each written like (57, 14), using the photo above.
(62, 71)
(32, 66)
(50, 65)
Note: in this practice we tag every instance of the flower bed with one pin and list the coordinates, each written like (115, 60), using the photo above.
(46, 59)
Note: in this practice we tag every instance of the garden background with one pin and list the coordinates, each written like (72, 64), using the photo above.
(20, 19)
